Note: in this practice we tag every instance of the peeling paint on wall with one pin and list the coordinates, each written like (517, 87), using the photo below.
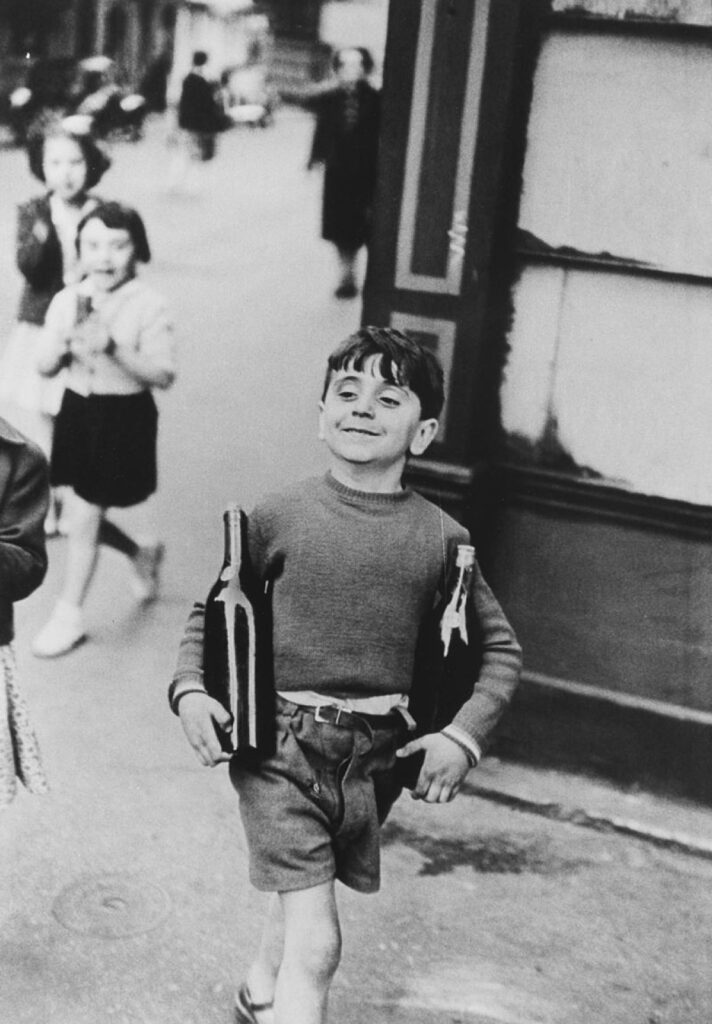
(614, 369)
(681, 12)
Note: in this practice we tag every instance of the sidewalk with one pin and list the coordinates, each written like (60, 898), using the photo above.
(595, 804)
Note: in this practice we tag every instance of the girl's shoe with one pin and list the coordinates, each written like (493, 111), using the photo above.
(245, 1009)
(63, 632)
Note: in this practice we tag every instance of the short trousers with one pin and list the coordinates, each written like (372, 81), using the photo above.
(312, 812)
(104, 447)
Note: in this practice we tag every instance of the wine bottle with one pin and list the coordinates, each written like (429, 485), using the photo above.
(454, 618)
(446, 659)
(237, 648)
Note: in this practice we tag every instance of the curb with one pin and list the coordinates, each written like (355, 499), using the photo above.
(669, 840)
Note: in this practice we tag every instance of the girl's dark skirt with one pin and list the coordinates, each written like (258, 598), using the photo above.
(104, 447)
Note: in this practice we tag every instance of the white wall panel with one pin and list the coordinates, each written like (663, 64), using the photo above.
(624, 365)
(526, 391)
(619, 151)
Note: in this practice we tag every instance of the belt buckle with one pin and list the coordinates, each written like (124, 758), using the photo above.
(319, 714)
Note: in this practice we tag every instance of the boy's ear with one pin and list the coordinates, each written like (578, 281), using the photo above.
(427, 429)
(320, 431)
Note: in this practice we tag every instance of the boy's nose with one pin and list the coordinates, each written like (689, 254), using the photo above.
(363, 407)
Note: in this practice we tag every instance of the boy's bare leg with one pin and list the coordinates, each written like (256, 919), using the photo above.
(312, 950)
(262, 975)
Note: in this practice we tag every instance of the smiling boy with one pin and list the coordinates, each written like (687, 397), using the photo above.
(355, 564)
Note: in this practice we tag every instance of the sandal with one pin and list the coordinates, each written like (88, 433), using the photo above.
(245, 1009)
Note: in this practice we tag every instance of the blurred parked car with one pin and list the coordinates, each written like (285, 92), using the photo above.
(86, 89)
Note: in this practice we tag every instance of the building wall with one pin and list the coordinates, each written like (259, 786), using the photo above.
(618, 168)
(602, 553)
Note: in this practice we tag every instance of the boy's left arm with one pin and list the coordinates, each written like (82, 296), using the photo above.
(451, 753)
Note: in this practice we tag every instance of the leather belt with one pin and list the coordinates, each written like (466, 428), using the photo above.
(345, 719)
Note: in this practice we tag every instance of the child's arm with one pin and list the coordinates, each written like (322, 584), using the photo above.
(199, 714)
(444, 768)
(53, 350)
(34, 254)
(152, 363)
(450, 754)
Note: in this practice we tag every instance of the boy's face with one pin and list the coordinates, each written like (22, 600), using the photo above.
(367, 421)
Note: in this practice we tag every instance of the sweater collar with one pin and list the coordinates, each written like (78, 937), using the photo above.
(366, 499)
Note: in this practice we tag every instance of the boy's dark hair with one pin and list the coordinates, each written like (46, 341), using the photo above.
(367, 61)
(96, 159)
(120, 217)
(404, 361)
(200, 59)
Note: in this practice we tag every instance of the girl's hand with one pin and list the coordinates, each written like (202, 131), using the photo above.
(200, 717)
(444, 769)
(40, 229)
(90, 338)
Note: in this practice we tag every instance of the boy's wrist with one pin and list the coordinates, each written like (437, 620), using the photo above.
(182, 685)
(464, 742)
(184, 693)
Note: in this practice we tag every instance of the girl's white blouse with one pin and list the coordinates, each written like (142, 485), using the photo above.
(137, 319)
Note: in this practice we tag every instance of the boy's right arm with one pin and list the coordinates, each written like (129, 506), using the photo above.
(199, 714)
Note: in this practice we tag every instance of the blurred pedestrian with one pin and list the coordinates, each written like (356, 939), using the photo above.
(24, 496)
(70, 165)
(346, 143)
(154, 84)
(200, 117)
(114, 336)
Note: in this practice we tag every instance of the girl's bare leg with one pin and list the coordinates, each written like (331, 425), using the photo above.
(65, 628)
(82, 551)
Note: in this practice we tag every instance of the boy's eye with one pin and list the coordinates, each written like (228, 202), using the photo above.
(346, 392)
(391, 401)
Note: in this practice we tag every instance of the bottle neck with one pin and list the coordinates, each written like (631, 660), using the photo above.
(232, 523)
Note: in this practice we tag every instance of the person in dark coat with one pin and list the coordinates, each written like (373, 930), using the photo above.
(24, 497)
(198, 111)
(346, 143)
(154, 84)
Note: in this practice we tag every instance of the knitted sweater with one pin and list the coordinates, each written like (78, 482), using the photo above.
(354, 575)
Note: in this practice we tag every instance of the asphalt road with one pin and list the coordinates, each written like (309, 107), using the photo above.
(123, 893)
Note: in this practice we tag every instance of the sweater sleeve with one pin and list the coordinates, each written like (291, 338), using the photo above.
(499, 669)
(53, 349)
(155, 360)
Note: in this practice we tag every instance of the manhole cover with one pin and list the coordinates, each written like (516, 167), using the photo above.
(111, 906)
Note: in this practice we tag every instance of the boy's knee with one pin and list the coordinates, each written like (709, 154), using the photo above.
(318, 953)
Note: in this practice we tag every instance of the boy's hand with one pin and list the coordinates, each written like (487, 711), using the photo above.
(444, 768)
(200, 717)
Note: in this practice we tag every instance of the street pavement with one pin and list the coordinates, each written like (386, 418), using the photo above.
(534, 898)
